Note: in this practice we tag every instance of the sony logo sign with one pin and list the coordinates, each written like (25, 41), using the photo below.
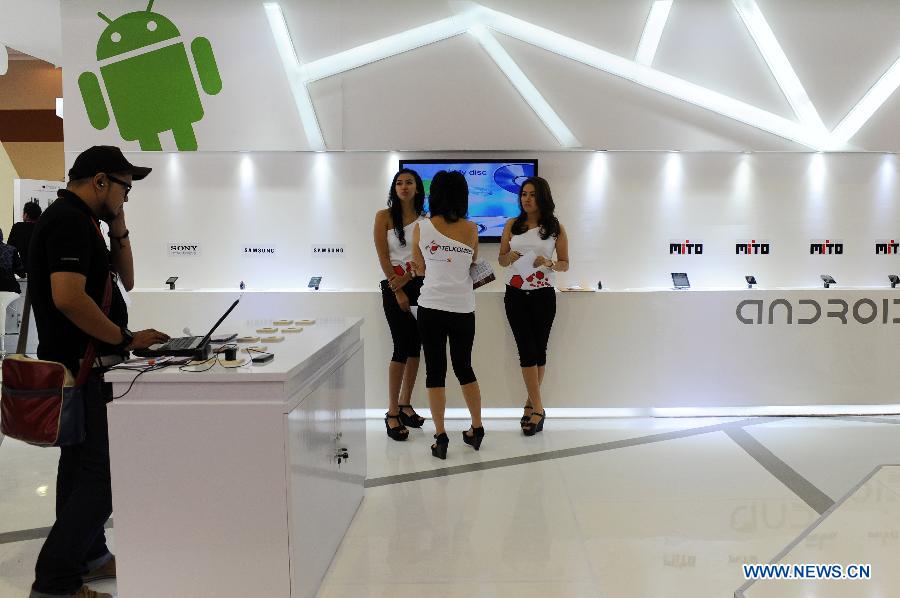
(183, 249)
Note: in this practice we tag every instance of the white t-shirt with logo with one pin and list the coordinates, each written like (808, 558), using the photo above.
(447, 286)
(401, 255)
(536, 278)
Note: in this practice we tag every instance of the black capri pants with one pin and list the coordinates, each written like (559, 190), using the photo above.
(530, 315)
(436, 327)
(404, 331)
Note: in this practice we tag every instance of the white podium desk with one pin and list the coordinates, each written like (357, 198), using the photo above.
(227, 483)
(647, 351)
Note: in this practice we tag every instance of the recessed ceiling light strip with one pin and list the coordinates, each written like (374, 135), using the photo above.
(653, 30)
(296, 76)
(525, 87)
(656, 80)
(779, 64)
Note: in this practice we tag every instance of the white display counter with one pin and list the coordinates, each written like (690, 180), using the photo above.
(233, 482)
(650, 351)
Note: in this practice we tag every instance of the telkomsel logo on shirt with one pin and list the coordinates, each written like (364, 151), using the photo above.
(434, 247)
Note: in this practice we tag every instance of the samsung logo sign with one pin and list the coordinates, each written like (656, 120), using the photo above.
(259, 250)
(328, 251)
(183, 249)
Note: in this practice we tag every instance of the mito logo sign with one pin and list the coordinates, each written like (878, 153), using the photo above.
(685, 247)
(810, 311)
(884, 247)
(183, 249)
(752, 247)
(826, 247)
(258, 250)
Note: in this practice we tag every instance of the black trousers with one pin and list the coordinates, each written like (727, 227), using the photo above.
(530, 315)
(404, 331)
(77, 541)
(436, 327)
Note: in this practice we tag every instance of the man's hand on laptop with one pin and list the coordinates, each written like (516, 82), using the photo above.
(146, 338)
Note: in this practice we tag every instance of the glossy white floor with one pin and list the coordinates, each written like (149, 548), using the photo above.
(610, 508)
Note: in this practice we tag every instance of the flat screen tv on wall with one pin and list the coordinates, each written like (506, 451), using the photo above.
(493, 188)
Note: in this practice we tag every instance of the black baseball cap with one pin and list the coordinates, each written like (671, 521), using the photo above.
(107, 159)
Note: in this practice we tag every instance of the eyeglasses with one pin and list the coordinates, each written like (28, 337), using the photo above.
(121, 182)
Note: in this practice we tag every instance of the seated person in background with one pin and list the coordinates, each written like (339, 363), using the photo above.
(10, 266)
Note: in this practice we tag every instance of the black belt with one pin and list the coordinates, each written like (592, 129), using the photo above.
(106, 361)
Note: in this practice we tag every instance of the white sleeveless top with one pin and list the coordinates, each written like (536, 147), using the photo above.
(401, 255)
(447, 286)
(536, 278)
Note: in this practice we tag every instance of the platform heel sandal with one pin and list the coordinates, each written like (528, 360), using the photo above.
(475, 439)
(413, 420)
(399, 432)
(439, 448)
(531, 428)
(525, 418)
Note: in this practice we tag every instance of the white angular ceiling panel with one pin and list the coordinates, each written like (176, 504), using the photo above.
(612, 25)
(707, 43)
(608, 112)
(839, 48)
(448, 95)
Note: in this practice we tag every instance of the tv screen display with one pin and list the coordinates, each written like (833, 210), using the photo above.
(493, 188)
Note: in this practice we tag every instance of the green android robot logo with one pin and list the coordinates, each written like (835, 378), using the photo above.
(149, 83)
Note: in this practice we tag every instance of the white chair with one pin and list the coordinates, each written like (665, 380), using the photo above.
(5, 299)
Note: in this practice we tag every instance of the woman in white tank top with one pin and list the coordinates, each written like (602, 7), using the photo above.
(530, 300)
(444, 249)
(399, 291)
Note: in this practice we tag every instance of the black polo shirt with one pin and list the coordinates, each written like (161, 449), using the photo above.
(66, 239)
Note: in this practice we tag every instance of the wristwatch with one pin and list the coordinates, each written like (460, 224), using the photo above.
(127, 338)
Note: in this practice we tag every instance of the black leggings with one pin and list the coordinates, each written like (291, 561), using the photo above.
(404, 331)
(530, 315)
(435, 327)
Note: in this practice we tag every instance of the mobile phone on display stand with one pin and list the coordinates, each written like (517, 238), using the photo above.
(680, 280)
(314, 282)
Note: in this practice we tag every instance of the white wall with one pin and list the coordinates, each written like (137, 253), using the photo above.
(451, 95)
(621, 210)
(254, 183)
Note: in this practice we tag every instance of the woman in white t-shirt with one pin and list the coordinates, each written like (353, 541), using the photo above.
(444, 248)
(399, 291)
(530, 298)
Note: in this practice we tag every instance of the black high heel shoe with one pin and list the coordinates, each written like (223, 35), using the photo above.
(439, 448)
(475, 439)
(531, 428)
(413, 420)
(525, 417)
(398, 432)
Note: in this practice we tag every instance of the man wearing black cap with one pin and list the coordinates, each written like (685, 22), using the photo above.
(68, 269)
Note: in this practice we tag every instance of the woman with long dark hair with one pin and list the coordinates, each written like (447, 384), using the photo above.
(444, 248)
(530, 298)
(399, 291)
